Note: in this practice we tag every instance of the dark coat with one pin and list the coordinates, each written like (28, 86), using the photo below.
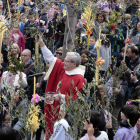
(44, 18)
(136, 93)
(4, 51)
(119, 59)
(131, 65)
(89, 73)
(135, 20)
(30, 41)
(132, 9)
(30, 81)
(120, 97)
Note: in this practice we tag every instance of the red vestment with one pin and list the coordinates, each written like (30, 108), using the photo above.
(58, 74)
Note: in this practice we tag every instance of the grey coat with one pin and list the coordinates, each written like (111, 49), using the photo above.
(105, 53)
(22, 108)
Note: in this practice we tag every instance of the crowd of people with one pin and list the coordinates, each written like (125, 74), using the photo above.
(70, 75)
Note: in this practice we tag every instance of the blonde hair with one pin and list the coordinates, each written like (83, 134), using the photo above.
(102, 87)
(17, 47)
(127, 16)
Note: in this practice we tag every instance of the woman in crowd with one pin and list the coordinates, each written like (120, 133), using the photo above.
(15, 51)
(87, 61)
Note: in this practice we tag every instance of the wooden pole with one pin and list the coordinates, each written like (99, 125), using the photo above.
(9, 9)
(98, 56)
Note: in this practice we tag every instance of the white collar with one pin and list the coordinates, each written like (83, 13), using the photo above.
(79, 70)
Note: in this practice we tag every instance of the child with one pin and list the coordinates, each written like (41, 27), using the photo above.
(30, 41)
(92, 48)
(17, 37)
(22, 23)
(127, 130)
(6, 121)
(61, 128)
(95, 120)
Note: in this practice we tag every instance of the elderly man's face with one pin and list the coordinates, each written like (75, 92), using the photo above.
(1, 6)
(25, 57)
(68, 65)
(106, 12)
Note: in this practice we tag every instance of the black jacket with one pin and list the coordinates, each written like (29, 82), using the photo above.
(89, 73)
(30, 81)
(136, 93)
(30, 41)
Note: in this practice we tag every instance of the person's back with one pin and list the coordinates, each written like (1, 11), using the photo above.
(102, 136)
(124, 133)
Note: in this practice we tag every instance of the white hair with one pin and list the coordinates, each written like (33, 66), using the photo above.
(28, 51)
(75, 57)
(1, 2)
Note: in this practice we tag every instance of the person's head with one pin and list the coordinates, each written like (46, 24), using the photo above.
(92, 41)
(59, 53)
(102, 90)
(15, 28)
(95, 118)
(1, 5)
(6, 120)
(105, 36)
(84, 56)
(31, 16)
(56, 8)
(7, 133)
(15, 49)
(132, 52)
(129, 112)
(17, 94)
(13, 6)
(26, 56)
(122, 51)
(107, 10)
(24, 18)
(72, 61)
(127, 18)
(101, 17)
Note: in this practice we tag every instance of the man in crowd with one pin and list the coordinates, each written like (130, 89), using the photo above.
(29, 69)
(132, 62)
(66, 79)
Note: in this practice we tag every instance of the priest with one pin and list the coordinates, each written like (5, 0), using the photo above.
(66, 79)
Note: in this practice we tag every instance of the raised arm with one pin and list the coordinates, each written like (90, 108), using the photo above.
(47, 54)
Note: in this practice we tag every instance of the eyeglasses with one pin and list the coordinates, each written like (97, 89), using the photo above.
(24, 55)
(58, 53)
(66, 61)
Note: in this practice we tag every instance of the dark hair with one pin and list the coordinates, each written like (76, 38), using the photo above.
(85, 52)
(95, 118)
(106, 42)
(62, 24)
(123, 49)
(56, 4)
(13, 4)
(131, 113)
(103, 14)
(134, 49)
(7, 133)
